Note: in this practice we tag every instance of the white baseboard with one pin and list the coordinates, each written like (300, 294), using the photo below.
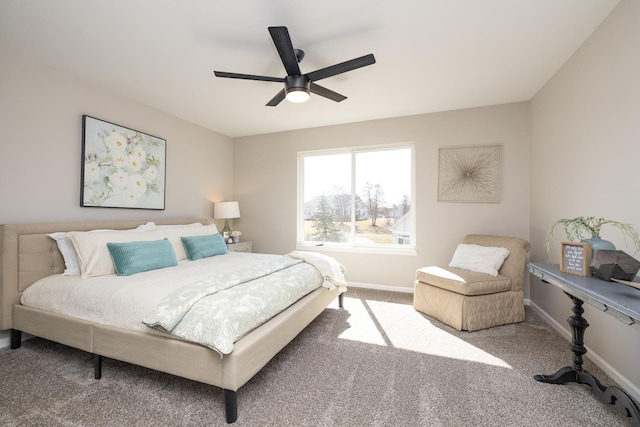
(381, 287)
(406, 289)
(626, 385)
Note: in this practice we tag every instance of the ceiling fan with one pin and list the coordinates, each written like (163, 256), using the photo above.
(297, 85)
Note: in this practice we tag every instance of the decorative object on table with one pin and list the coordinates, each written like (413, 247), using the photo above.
(235, 235)
(627, 282)
(469, 174)
(610, 265)
(226, 211)
(587, 230)
(575, 258)
(121, 167)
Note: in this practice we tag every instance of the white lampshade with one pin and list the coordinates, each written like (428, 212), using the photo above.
(225, 210)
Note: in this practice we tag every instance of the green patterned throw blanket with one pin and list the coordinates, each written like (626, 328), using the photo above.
(218, 311)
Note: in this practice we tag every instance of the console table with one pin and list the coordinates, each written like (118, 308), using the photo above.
(617, 299)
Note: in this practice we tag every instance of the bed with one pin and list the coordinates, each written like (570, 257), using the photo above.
(28, 254)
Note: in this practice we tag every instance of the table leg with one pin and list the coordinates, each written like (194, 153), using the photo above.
(610, 395)
(578, 326)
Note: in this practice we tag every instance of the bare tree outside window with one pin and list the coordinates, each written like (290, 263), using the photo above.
(357, 197)
(374, 198)
(405, 205)
(342, 204)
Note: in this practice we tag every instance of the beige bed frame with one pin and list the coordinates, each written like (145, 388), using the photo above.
(28, 254)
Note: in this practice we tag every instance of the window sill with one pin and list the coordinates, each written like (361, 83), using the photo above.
(396, 250)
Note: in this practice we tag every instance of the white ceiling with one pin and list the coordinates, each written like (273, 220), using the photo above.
(432, 55)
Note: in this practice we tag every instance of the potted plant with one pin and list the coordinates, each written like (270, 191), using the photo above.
(235, 235)
(587, 229)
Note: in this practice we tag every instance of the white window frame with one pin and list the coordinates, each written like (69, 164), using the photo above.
(390, 249)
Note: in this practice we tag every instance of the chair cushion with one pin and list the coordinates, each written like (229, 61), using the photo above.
(463, 282)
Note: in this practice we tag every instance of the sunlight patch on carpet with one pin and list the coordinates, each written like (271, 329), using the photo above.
(401, 326)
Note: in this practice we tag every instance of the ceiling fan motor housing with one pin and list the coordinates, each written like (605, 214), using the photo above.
(296, 83)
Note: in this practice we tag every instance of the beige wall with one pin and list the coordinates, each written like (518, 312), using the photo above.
(585, 151)
(265, 175)
(40, 149)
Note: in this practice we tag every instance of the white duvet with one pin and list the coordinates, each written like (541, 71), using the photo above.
(123, 301)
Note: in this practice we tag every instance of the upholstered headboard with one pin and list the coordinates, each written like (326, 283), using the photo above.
(28, 254)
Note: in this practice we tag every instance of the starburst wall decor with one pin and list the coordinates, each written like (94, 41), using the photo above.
(470, 174)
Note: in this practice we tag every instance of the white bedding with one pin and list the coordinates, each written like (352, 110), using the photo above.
(123, 301)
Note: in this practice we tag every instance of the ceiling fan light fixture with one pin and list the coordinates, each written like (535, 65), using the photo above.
(297, 95)
(296, 88)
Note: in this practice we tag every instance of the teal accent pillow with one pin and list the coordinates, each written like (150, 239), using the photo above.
(135, 257)
(199, 247)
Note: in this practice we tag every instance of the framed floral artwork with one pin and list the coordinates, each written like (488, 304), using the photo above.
(121, 167)
(470, 174)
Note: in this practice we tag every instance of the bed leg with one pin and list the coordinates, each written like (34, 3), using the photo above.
(341, 300)
(16, 339)
(97, 366)
(230, 406)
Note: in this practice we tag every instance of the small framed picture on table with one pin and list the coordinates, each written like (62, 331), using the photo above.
(575, 258)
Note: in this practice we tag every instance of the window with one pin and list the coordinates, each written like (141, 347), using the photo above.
(357, 198)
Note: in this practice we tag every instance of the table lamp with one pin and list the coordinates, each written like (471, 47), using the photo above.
(226, 211)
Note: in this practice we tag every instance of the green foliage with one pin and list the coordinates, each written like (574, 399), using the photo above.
(326, 228)
(579, 228)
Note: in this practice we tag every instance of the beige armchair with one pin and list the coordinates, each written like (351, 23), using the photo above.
(468, 300)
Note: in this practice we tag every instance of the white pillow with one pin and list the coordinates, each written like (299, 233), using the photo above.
(174, 233)
(93, 255)
(68, 251)
(65, 246)
(482, 259)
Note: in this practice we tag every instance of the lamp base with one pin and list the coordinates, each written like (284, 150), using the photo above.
(226, 228)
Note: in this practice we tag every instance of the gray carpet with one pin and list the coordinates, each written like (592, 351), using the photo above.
(378, 362)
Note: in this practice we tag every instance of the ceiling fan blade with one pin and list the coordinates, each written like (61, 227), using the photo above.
(248, 77)
(323, 91)
(343, 67)
(276, 99)
(281, 39)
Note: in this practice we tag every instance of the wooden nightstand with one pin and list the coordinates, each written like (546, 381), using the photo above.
(239, 247)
